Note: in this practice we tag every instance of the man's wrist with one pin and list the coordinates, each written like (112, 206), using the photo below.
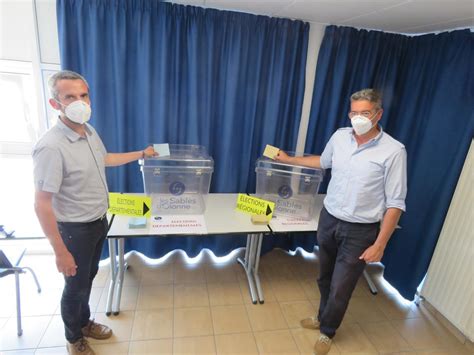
(60, 250)
(380, 245)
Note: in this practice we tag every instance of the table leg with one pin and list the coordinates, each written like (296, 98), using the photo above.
(120, 275)
(113, 271)
(247, 264)
(259, 241)
(19, 330)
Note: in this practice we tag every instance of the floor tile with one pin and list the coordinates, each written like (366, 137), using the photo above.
(191, 295)
(350, 338)
(102, 277)
(153, 324)
(364, 309)
(189, 274)
(295, 311)
(213, 313)
(54, 334)
(267, 316)
(310, 288)
(288, 290)
(275, 271)
(216, 273)
(128, 300)
(418, 333)
(305, 270)
(61, 350)
(276, 342)
(194, 345)
(120, 324)
(385, 337)
(155, 297)
(38, 304)
(361, 289)
(195, 321)
(269, 295)
(151, 347)
(3, 321)
(8, 304)
(230, 319)
(112, 348)
(236, 344)
(221, 294)
(162, 274)
(448, 351)
(394, 308)
(33, 330)
(132, 276)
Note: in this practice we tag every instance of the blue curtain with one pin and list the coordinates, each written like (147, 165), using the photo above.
(428, 87)
(165, 73)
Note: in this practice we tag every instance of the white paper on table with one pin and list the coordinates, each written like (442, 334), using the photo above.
(180, 224)
(294, 224)
(163, 150)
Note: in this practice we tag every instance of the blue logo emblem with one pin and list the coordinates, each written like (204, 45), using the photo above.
(285, 191)
(177, 188)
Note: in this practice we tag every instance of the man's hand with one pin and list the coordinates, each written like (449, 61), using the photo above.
(66, 264)
(372, 254)
(282, 157)
(312, 161)
(149, 152)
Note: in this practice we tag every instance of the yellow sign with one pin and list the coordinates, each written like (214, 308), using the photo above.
(129, 205)
(255, 206)
(270, 151)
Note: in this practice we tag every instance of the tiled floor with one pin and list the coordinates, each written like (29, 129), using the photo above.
(205, 308)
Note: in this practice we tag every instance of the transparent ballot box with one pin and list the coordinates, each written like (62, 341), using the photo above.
(178, 183)
(293, 188)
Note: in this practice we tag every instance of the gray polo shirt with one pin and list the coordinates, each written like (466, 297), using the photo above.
(73, 169)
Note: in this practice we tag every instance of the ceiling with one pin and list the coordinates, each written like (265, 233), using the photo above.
(402, 16)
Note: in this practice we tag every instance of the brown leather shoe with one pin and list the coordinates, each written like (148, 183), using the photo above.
(96, 331)
(80, 347)
(310, 323)
(322, 345)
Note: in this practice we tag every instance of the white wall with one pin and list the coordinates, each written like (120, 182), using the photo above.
(449, 283)
(28, 33)
(19, 30)
(16, 30)
(47, 31)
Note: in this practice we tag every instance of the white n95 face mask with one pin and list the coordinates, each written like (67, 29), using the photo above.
(77, 111)
(361, 124)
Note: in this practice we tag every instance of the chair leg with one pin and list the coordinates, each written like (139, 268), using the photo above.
(34, 277)
(18, 304)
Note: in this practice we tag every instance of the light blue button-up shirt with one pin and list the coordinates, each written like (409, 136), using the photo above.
(366, 179)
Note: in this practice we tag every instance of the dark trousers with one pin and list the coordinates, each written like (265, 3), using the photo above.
(84, 241)
(340, 246)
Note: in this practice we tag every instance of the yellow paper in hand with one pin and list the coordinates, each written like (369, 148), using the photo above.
(270, 151)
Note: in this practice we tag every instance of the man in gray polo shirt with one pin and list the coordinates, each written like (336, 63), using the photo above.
(71, 200)
(364, 201)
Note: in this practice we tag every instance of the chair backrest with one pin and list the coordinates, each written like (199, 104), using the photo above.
(4, 262)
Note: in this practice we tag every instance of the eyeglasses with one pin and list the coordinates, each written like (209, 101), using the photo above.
(366, 114)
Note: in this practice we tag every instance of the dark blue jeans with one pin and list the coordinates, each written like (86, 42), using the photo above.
(84, 241)
(340, 245)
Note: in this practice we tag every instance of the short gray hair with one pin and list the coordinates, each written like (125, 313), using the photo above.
(63, 75)
(370, 95)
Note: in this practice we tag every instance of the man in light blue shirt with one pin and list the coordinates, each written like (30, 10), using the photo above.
(365, 199)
